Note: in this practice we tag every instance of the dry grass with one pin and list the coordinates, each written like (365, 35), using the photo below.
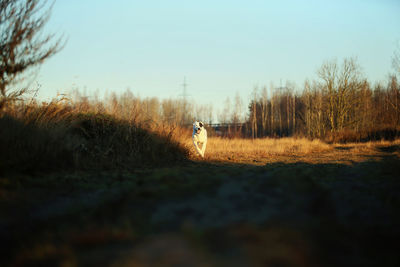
(65, 133)
(223, 147)
(267, 150)
(59, 136)
(258, 150)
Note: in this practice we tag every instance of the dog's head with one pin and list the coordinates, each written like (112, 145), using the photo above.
(197, 126)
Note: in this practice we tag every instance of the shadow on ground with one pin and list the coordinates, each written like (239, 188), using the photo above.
(206, 214)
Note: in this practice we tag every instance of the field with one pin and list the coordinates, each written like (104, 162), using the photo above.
(300, 172)
(267, 202)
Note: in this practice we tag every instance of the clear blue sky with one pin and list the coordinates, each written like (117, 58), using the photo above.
(222, 47)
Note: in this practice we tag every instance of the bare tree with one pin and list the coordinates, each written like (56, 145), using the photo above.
(396, 59)
(209, 113)
(225, 115)
(294, 113)
(394, 100)
(169, 111)
(237, 110)
(272, 109)
(314, 112)
(394, 85)
(253, 115)
(341, 85)
(199, 112)
(307, 100)
(264, 110)
(22, 44)
(328, 73)
(237, 116)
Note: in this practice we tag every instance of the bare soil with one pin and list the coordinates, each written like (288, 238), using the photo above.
(334, 208)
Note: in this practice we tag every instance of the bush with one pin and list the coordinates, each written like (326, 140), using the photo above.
(81, 142)
(373, 134)
(26, 147)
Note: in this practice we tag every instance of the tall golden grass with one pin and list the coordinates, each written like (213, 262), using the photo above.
(60, 135)
(79, 134)
(292, 149)
(222, 148)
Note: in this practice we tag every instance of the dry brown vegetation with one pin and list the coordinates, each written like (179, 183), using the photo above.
(99, 186)
(60, 136)
(288, 150)
(304, 201)
(78, 134)
(242, 150)
(85, 182)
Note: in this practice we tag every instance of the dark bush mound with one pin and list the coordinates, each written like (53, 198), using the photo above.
(83, 142)
(113, 142)
(27, 147)
(385, 133)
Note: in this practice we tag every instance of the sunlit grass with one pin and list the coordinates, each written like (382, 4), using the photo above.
(67, 133)
(292, 149)
(224, 148)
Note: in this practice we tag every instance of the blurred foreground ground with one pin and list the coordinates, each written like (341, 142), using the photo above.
(331, 208)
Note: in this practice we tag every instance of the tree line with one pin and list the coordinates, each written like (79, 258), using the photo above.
(341, 101)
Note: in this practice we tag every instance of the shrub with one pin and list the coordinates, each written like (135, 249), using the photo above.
(373, 134)
(38, 141)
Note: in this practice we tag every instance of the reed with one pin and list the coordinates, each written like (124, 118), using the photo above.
(60, 136)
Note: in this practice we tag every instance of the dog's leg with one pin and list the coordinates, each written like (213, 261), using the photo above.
(197, 148)
(203, 148)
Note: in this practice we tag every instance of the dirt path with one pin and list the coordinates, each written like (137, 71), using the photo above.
(307, 211)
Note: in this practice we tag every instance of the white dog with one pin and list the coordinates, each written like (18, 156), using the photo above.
(199, 136)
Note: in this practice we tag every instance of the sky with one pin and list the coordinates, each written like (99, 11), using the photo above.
(222, 47)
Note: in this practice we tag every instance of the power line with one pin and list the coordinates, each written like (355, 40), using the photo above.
(281, 88)
(184, 94)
